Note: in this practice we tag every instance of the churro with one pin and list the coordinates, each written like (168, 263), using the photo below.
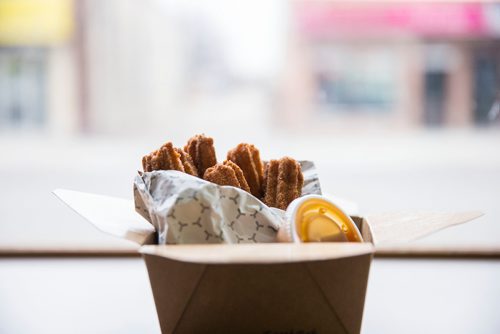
(226, 174)
(187, 162)
(202, 151)
(283, 182)
(278, 184)
(239, 175)
(168, 157)
(247, 157)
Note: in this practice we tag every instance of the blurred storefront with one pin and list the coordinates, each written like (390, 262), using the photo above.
(118, 66)
(38, 88)
(392, 65)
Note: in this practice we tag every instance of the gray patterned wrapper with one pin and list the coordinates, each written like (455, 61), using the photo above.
(188, 210)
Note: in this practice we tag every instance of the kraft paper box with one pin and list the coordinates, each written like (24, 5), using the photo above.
(257, 288)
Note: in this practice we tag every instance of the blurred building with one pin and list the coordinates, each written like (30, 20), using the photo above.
(115, 66)
(392, 65)
(161, 66)
(38, 66)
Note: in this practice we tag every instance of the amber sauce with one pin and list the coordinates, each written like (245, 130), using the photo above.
(319, 220)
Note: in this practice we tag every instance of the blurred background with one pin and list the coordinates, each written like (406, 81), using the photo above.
(397, 103)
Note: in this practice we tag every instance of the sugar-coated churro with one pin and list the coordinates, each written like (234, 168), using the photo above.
(168, 157)
(202, 151)
(247, 157)
(226, 174)
(283, 182)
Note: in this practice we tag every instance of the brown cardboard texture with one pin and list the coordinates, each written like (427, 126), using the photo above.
(257, 288)
(240, 288)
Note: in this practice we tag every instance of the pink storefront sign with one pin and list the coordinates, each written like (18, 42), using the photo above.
(426, 20)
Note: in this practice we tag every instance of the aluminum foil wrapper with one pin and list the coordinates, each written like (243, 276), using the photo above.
(188, 210)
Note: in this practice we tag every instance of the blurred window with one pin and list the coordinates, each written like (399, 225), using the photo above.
(356, 80)
(486, 82)
(22, 86)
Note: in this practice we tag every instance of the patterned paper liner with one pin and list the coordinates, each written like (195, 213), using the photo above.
(188, 210)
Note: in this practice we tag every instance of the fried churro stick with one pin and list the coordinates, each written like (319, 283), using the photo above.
(300, 181)
(226, 175)
(187, 162)
(247, 157)
(283, 182)
(171, 158)
(271, 182)
(239, 175)
(168, 157)
(155, 160)
(202, 151)
(146, 163)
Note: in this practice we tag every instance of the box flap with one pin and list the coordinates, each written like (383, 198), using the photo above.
(258, 253)
(406, 226)
(115, 216)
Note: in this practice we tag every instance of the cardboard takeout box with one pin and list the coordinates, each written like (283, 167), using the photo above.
(258, 288)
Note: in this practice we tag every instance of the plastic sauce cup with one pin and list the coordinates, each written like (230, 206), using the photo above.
(313, 218)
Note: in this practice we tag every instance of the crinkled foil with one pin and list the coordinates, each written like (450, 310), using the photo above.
(188, 210)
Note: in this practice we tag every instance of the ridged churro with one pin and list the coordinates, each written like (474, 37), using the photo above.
(187, 162)
(247, 157)
(278, 184)
(168, 157)
(283, 182)
(226, 174)
(239, 175)
(202, 151)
